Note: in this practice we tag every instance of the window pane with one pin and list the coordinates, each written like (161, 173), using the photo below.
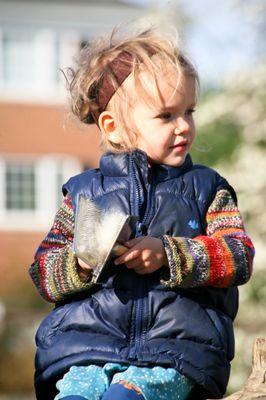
(18, 58)
(20, 187)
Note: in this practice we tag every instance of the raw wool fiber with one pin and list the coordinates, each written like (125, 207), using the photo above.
(96, 231)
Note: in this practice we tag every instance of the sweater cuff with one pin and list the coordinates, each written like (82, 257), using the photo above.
(174, 261)
(77, 282)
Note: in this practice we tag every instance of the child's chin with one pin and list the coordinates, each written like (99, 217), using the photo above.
(176, 161)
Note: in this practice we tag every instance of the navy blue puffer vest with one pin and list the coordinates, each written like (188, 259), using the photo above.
(134, 318)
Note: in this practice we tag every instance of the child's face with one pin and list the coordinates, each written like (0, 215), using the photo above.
(166, 131)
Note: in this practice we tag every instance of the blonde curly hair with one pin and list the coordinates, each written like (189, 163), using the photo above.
(92, 65)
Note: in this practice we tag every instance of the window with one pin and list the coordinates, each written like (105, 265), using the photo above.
(31, 59)
(20, 187)
(30, 189)
(18, 59)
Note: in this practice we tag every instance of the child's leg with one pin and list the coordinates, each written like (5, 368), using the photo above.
(122, 391)
(73, 398)
(80, 383)
(154, 383)
(89, 383)
(116, 381)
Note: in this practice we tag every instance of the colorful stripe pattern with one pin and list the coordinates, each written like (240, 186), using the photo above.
(54, 270)
(221, 258)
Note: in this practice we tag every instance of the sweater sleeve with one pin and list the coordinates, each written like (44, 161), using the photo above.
(55, 269)
(221, 258)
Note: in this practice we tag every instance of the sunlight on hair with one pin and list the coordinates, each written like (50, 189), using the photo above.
(92, 64)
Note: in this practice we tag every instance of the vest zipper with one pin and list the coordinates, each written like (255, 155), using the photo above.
(140, 292)
(135, 337)
(149, 208)
(138, 303)
(135, 203)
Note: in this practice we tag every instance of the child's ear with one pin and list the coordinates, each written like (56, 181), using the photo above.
(107, 125)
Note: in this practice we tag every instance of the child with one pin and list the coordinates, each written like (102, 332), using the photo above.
(161, 326)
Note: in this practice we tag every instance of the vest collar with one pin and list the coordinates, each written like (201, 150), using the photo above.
(118, 165)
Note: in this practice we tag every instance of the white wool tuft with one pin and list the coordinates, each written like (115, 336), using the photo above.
(107, 230)
(96, 231)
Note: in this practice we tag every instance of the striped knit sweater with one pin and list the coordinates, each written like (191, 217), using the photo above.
(221, 258)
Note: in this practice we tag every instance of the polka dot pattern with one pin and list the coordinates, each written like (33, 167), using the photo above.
(155, 383)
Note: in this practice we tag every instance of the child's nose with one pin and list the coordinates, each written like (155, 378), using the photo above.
(181, 126)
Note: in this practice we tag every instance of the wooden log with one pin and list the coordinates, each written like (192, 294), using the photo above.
(255, 387)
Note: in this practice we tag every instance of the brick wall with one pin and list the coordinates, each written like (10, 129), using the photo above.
(37, 130)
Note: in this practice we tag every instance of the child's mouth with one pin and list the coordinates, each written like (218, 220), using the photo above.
(182, 146)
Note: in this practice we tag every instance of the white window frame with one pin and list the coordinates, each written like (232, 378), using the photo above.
(51, 50)
(46, 191)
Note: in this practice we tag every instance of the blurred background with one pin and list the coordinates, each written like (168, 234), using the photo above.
(41, 145)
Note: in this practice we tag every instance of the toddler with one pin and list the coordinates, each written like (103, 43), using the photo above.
(161, 325)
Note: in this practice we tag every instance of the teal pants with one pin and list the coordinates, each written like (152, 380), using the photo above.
(116, 391)
(94, 382)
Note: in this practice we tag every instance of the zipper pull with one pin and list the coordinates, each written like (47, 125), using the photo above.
(139, 229)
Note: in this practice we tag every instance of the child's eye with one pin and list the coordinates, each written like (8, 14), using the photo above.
(190, 111)
(165, 116)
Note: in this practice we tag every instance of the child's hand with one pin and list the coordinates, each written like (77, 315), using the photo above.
(146, 255)
(84, 270)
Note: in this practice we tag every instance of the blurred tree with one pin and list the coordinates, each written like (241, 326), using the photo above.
(216, 141)
(231, 130)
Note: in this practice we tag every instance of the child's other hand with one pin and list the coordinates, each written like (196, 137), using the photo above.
(146, 254)
(84, 270)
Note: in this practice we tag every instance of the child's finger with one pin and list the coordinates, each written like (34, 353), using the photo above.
(134, 264)
(84, 265)
(128, 256)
